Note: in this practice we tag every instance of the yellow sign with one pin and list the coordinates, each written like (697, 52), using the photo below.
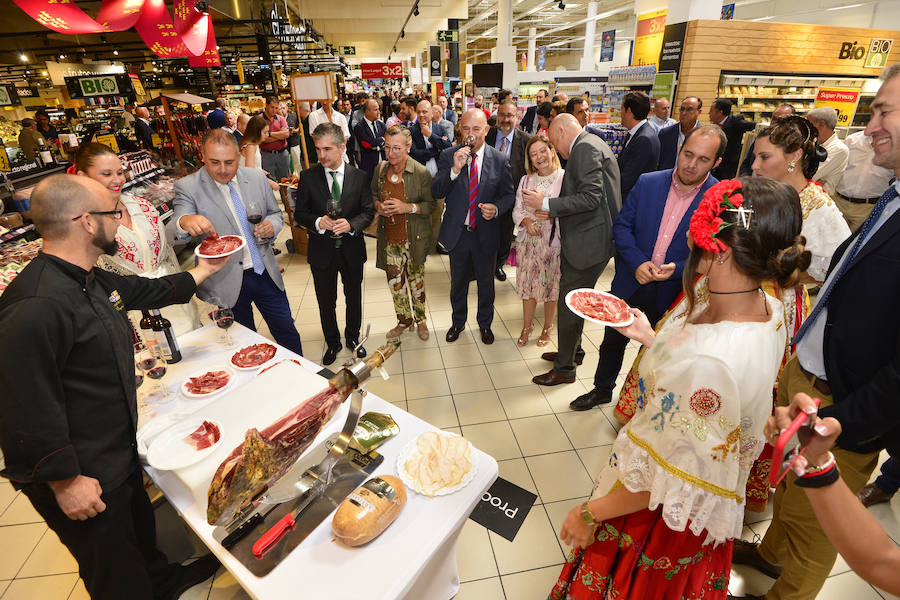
(4, 160)
(843, 100)
(109, 140)
(154, 139)
(240, 70)
(648, 38)
(137, 85)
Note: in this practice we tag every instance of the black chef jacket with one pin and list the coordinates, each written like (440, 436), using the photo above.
(68, 403)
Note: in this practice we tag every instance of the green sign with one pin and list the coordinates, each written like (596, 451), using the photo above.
(447, 35)
(878, 53)
(98, 86)
(348, 50)
(664, 85)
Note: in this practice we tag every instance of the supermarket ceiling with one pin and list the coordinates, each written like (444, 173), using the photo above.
(373, 27)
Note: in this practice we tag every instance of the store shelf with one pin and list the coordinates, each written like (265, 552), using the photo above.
(143, 177)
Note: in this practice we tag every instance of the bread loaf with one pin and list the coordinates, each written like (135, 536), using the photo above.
(368, 510)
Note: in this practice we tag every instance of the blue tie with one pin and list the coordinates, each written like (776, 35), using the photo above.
(258, 266)
(864, 230)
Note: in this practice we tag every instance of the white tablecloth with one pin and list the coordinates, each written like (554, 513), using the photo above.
(415, 558)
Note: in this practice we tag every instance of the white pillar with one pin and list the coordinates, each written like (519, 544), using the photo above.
(504, 52)
(590, 29)
(532, 42)
(504, 23)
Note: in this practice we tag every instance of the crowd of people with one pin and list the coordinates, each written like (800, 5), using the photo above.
(717, 270)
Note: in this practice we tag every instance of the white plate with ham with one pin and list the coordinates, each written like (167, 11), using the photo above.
(220, 246)
(599, 307)
(252, 357)
(208, 382)
(184, 444)
(437, 463)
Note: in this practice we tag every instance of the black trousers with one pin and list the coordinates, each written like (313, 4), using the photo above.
(570, 325)
(325, 281)
(116, 550)
(612, 349)
(506, 237)
(467, 257)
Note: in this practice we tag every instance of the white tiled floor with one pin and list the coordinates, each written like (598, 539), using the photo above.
(483, 392)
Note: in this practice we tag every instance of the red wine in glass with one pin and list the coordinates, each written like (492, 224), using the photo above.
(224, 318)
(157, 372)
(138, 379)
(255, 219)
(145, 364)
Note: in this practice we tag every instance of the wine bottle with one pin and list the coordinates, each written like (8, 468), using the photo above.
(44, 152)
(168, 345)
(149, 334)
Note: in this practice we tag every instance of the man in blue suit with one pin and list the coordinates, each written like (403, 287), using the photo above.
(672, 137)
(651, 249)
(477, 186)
(369, 134)
(427, 141)
(641, 152)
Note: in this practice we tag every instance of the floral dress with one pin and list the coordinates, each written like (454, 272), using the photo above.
(705, 395)
(537, 256)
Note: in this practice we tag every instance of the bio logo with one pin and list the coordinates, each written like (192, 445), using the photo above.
(850, 51)
(98, 86)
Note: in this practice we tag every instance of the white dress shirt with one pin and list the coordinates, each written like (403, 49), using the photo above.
(329, 180)
(681, 135)
(479, 160)
(811, 349)
(862, 178)
(829, 172)
(318, 116)
(658, 123)
(431, 165)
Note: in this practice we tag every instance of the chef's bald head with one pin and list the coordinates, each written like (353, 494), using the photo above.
(58, 199)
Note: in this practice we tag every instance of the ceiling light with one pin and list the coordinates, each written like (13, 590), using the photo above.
(416, 10)
(763, 18)
(562, 5)
(62, 57)
(402, 34)
(115, 51)
(847, 6)
(22, 57)
(202, 7)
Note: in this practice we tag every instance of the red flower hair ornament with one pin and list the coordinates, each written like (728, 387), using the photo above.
(707, 223)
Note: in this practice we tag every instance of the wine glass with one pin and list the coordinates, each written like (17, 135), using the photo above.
(155, 369)
(224, 318)
(143, 407)
(254, 211)
(333, 213)
(385, 196)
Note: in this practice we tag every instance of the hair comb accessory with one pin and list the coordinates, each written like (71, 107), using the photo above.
(707, 223)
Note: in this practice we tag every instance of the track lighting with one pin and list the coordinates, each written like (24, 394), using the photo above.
(22, 57)
(402, 34)
(202, 7)
(416, 10)
(115, 51)
(562, 5)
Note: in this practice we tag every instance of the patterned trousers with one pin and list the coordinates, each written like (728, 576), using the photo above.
(406, 281)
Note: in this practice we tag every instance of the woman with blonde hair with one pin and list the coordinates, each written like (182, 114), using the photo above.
(537, 241)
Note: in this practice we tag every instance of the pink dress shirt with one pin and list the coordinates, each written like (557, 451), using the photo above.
(677, 204)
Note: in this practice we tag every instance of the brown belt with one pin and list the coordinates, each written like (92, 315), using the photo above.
(819, 384)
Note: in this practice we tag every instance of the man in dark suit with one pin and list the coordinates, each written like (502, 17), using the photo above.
(651, 249)
(369, 134)
(641, 152)
(142, 128)
(427, 142)
(781, 111)
(216, 117)
(846, 355)
(586, 208)
(734, 126)
(477, 186)
(529, 122)
(672, 137)
(511, 142)
(335, 245)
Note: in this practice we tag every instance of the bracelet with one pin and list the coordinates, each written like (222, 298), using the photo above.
(819, 480)
(586, 515)
(815, 471)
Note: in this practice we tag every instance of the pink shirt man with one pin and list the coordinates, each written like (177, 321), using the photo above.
(677, 203)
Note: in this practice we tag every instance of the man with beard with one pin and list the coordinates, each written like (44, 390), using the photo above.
(650, 245)
(69, 401)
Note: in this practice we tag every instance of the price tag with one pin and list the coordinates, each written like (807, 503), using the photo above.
(109, 140)
(4, 161)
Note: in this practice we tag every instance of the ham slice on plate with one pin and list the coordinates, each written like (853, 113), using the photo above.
(253, 356)
(208, 382)
(204, 436)
(599, 307)
(219, 245)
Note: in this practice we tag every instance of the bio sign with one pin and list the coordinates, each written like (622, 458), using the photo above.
(393, 70)
(879, 49)
(98, 86)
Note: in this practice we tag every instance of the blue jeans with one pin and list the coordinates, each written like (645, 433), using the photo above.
(889, 480)
(276, 164)
(273, 306)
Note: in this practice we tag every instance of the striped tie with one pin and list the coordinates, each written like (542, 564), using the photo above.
(473, 192)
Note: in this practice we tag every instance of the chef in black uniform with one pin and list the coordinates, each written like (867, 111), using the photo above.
(68, 410)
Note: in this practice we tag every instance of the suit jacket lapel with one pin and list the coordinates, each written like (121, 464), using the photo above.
(885, 233)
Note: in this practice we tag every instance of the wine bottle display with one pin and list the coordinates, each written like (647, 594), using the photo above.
(168, 345)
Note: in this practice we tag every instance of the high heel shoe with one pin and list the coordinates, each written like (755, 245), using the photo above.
(523, 337)
(545, 336)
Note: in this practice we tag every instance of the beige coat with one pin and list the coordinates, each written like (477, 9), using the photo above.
(417, 186)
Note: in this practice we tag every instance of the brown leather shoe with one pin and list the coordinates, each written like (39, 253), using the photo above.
(551, 377)
(551, 357)
(872, 494)
(746, 553)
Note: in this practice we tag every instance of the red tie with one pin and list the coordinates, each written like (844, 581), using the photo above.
(473, 192)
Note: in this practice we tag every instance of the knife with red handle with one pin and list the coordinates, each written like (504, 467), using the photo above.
(271, 537)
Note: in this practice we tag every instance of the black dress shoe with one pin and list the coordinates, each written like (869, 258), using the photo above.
(331, 354)
(453, 333)
(360, 352)
(591, 399)
(747, 553)
(551, 356)
(440, 249)
(500, 274)
(487, 336)
(551, 377)
(197, 572)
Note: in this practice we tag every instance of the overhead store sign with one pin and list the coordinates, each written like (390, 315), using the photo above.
(879, 49)
(287, 33)
(541, 58)
(98, 86)
(648, 38)
(607, 45)
(843, 100)
(8, 95)
(28, 92)
(393, 70)
(59, 71)
(348, 50)
(672, 47)
(447, 35)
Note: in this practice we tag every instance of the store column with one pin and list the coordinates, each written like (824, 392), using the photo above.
(504, 52)
(532, 42)
(590, 28)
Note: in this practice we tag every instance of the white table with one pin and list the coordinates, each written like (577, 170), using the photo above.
(415, 558)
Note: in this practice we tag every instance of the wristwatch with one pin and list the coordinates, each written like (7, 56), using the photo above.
(415, 208)
(586, 515)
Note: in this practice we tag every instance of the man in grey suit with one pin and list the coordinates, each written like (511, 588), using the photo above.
(588, 204)
(506, 138)
(217, 200)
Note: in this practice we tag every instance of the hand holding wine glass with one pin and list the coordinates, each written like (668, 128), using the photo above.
(333, 214)
(254, 214)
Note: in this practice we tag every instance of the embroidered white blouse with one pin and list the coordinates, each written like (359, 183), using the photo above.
(824, 228)
(704, 394)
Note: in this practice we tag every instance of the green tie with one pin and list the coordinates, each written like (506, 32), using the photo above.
(336, 196)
